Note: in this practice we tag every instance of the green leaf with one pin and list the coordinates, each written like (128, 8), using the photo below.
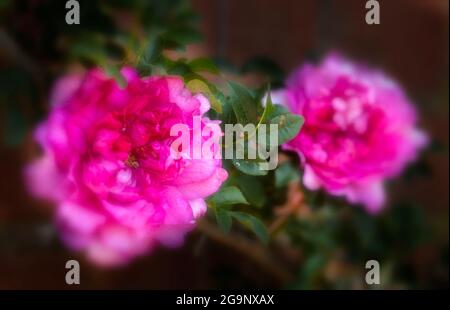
(252, 223)
(271, 111)
(285, 174)
(152, 51)
(4, 4)
(288, 126)
(198, 86)
(223, 219)
(89, 49)
(203, 64)
(252, 188)
(227, 116)
(268, 110)
(310, 271)
(183, 36)
(243, 104)
(220, 97)
(179, 68)
(249, 166)
(228, 196)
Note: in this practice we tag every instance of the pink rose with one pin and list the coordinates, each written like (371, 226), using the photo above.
(107, 164)
(359, 129)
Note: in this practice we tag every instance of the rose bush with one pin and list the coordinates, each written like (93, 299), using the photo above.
(359, 130)
(107, 164)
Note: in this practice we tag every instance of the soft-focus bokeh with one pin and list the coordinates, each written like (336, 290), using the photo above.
(252, 41)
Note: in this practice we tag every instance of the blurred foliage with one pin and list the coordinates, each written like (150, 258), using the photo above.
(351, 237)
(334, 239)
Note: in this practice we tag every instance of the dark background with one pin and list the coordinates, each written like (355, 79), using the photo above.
(411, 44)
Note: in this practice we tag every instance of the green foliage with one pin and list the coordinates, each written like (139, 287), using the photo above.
(267, 67)
(288, 126)
(389, 238)
(203, 65)
(111, 34)
(244, 104)
(223, 219)
(229, 196)
(114, 72)
(253, 189)
(245, 107)
(250, 166)
(310, 272)
(198, 86)
(221, 204)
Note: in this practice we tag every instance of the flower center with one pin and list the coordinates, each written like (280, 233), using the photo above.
(132, 161)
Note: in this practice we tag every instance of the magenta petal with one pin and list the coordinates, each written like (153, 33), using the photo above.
(371, 195)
